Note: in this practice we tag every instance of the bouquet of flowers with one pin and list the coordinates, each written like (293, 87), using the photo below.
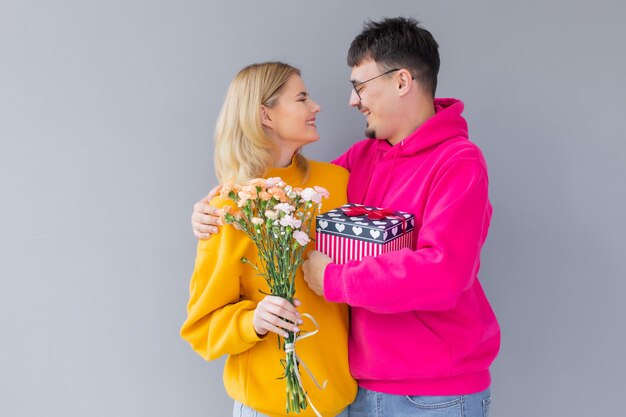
(278, 218)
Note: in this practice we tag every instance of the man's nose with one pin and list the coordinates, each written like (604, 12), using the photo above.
(354, 99)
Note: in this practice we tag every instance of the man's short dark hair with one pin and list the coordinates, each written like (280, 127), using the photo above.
(398, 43)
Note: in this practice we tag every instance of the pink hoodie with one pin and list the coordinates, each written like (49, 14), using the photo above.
(420, 323)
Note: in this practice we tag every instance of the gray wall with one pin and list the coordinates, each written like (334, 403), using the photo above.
(106, 115)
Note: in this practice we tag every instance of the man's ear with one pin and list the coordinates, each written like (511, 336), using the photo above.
(266, 120)
(404, 81)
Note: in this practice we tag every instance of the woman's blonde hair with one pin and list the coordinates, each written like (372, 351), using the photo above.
(243, 150)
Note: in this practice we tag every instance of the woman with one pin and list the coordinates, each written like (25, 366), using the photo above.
(266, 118)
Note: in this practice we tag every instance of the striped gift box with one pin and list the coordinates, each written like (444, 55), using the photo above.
(353, 231)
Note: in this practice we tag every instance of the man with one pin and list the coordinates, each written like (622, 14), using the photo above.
(423, 334)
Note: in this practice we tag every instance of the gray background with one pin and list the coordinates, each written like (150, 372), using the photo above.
(106, 116)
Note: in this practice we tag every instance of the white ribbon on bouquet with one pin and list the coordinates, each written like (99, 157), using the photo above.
(290, 349)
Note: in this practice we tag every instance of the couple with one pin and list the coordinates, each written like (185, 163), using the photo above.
(421, 333)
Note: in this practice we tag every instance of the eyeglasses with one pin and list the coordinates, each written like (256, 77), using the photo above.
(367, 81)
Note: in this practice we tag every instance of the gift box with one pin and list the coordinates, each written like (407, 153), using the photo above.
(353, 231)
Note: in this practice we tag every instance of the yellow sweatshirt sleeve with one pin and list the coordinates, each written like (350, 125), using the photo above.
(218, 321)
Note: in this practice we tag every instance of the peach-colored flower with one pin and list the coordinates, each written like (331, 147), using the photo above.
(250, 190)
(290, 192)
(278, 193)
(242, 200)
(274, 181)
(246, 194)
(225, 189)
(323, 191)
(249, 203)
(227, 209)
(258, 182)
(264, 195)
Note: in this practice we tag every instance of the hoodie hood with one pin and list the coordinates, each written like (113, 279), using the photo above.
(377, 167)
(447, 123)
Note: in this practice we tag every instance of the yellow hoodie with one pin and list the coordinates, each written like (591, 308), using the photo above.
(223, 295)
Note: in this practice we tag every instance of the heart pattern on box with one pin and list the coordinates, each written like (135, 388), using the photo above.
(361, 227)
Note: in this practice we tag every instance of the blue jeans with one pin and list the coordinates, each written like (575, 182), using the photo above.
(376, 404)
(241, 410)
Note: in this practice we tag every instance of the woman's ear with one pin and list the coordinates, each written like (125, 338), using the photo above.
(266, 120)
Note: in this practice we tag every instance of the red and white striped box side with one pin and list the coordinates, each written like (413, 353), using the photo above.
(341, 249)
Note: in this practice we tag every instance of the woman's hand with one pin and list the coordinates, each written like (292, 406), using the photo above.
(276, 315)
(205, 219)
